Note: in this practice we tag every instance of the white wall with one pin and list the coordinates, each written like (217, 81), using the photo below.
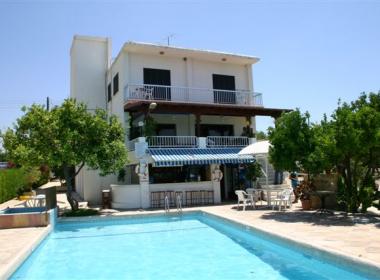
(89, 63)
(137, 63)
(126, 196)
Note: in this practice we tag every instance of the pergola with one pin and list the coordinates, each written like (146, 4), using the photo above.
(199, 109)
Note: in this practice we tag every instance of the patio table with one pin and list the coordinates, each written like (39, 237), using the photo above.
(270, 191)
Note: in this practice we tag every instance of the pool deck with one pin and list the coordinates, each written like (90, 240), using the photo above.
(16, 245)
(355, 236)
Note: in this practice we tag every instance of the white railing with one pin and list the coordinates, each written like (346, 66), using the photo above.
(193, 95)
(257, 99)
(227, 141)
(131, 144)
(172, 141)
(190, 142)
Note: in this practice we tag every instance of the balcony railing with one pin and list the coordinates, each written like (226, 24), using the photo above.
(227, 141)
(190, 142)
(192, 95)
(172, 141)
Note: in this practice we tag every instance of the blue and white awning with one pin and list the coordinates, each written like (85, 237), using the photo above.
(176, 157)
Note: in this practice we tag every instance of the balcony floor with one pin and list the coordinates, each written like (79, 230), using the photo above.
(202, 109)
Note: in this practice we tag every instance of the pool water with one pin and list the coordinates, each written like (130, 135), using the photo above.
(191, 246)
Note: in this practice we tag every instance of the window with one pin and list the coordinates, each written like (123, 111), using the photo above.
(160, 78)
(109, 93)
(115, 83)
(226, 86)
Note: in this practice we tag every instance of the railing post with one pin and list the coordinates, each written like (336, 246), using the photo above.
(202, 143)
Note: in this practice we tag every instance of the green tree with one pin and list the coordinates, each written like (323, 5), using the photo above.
(66, 137)
(349, 144)
(253, 171)
(356, 131)
(260, 135)
(291, 142)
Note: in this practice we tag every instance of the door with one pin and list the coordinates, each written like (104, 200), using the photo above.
(225, 84)
(158, 77)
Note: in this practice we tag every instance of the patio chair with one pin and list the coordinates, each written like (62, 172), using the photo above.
(244, 198)
(255, 193)
(283, 199)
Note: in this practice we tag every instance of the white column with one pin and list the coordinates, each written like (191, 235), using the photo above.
(144, 194)
(215, 172)
(144, 184)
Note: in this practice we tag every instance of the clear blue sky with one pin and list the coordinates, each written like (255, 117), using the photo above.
(312, 52)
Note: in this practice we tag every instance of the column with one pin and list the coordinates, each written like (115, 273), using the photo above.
(143, 173)
(216, 176)
(198, 125)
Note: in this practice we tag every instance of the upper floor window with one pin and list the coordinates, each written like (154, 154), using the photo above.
(161, 79)
(109, 93)
(115, 83)
(224, 87)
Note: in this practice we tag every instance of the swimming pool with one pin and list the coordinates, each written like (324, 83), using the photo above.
(190, 246)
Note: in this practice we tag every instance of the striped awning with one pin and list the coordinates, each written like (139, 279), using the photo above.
(177, 157)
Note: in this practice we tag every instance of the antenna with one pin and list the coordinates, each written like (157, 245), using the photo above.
(168, 37)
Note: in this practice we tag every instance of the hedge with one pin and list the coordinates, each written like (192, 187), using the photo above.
(12, 182)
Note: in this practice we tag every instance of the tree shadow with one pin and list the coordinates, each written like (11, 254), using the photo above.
(336, 219)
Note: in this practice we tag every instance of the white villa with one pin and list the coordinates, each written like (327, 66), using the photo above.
(187, 113)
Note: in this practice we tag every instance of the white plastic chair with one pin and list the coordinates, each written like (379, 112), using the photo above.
(36, 201)
(283, 199)
(255, 193)
(244, 198)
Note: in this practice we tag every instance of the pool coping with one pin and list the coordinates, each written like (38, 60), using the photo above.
(364, 266)
(24, 253)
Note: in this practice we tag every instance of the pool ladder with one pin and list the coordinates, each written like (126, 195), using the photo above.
(178, 203)
(167, 204)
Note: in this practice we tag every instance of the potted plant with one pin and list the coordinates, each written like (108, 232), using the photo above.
(305, 197)
(253, 172)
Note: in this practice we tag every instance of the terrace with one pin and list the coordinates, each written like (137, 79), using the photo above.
(190, 142)
(192, 95)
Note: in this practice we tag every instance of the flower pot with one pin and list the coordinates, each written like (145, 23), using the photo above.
(306, 204)
(315, 202)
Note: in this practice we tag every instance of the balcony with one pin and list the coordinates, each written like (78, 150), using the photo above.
(192, 95)
(191, 142)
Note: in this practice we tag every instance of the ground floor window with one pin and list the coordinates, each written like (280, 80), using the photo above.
(179, 174)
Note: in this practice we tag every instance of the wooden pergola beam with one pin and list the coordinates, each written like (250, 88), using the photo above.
(203, 109)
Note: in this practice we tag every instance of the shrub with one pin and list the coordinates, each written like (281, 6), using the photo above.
(81, 213)
(15, 181)
(12, 182)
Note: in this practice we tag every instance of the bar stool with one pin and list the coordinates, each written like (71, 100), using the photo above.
(155, 201)
(195, 197)
(171, 197)
(188, 198)
(210, 197)
(162, 199)
(180, 194)
(203, 197)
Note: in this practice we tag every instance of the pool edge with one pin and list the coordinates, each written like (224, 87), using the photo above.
(329, 254)
(23, 254)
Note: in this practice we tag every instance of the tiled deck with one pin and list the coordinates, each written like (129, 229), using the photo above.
(353, 236)
(16, 244)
